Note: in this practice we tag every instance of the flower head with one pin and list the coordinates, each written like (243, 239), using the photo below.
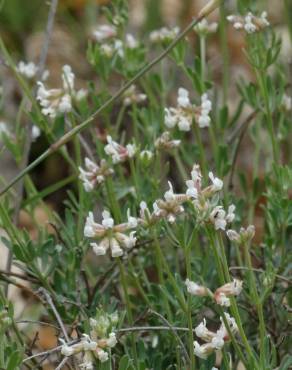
(104, 32)
(195, 289)
(28, 70)
(109, 235)
(171, 206)
(94, 174)
(164, 142)
(118, 152)
(250, 23)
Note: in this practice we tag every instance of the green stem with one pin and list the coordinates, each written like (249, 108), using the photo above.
(256, 299)
(265, 94)
(187, 250)
(128, 308)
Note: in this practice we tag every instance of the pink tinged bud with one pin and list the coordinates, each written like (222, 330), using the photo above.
(195, 289)
(230, 289)
(233, 235)
(222, 300)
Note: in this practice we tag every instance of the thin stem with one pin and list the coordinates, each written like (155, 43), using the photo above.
(128, 307)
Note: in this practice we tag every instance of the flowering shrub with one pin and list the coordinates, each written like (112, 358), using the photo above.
(171, 247)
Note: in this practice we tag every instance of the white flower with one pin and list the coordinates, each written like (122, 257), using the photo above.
(230, 289)
(68, 78)
(204, 350)
(204, 28)
(110, 236)
(217, 184)
(28, 70)
(171, 206)
(35, 132)
(93, 174)
(118, 152)
(230, 213)
(194, 185)
(102, 355)
(57, 101)
(131, 42)
(146, 155)
(104, 32)
(131, 96)
(217, 342)
(163, 35)
(164, 142)
(183, 99)
(217, 217)
(250, 23)
(203, 333)
(4, 131)
(244, 235)
(222, 300)
(206, 107)
(112, 340)
(195, 289)
(67, 350)
(286, 102)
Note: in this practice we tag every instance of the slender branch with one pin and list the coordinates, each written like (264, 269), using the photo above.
(53, 307)
(62, 363)
(70, 134)
(18, 275)
(48, 352)
(280, 277)
(241, 132)
(49, 30)
(152, 328)
(43, 323)
(172, 328)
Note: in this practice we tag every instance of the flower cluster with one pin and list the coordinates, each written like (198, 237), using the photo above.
(118, 152)
(104, 32)
(59, 101)
(183, 115)
(221, 295)
(109, 235)
(164, 142)
(106, 36)
(213, 340)
(94, 174)
(204, 28)
(28, 70)
(163, 35)
(168, 208)
(95, 345)
(131, 96)
(244, 235)
(250, 23)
